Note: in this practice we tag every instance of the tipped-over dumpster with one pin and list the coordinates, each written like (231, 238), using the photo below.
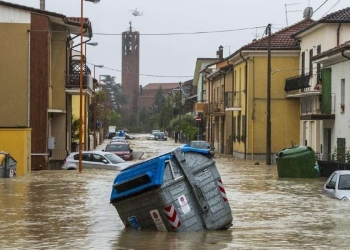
(8, 165)
(297, 162)
(179, 191)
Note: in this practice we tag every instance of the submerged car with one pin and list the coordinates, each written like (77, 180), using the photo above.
(121, 149)
(119, 139)
(338, 185)
(129, 137)
(160, 136)
(202, 145)
(94, 160)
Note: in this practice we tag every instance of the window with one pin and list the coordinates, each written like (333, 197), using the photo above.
(318, 64)
(333, 180)
(303, 63)
(239, 126)
(342, 91)
(311, 54)
(97, 158)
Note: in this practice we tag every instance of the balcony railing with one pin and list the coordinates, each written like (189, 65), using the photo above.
(297, 85)
(232, 100)
(73, 82)
(73, 79)
(313, 107)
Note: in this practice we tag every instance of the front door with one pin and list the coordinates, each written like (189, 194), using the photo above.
(341, 149)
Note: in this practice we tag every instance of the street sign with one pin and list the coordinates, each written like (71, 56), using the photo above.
(198, 119)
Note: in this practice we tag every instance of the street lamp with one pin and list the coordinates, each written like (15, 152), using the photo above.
(81, 81)
(92, 43)
(94, 118)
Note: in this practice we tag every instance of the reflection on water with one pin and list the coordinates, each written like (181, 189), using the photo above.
(67, 209)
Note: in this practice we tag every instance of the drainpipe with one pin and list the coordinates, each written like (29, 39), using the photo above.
(83, 42)
(338, 34)
(342, 53)
(246, 102)
(28, 82)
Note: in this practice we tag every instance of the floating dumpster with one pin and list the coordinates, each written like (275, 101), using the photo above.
(7, 165)
(179, 191)
(297, 162)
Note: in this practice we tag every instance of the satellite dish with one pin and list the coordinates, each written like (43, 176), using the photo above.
(308, 12)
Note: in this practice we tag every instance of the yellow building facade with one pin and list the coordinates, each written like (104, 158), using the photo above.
(237, 98)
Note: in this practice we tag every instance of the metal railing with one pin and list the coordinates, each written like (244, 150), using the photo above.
(232, 99)
(73, 82)
(297, 85)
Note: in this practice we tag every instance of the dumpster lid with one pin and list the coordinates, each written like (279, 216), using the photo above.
(294, 150)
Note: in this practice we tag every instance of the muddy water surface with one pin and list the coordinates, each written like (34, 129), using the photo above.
(67, 209)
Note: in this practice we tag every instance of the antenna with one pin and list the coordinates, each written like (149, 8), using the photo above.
(256, 34)
(290, 10)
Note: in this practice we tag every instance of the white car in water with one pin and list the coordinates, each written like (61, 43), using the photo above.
(94, 160)
(338, 185)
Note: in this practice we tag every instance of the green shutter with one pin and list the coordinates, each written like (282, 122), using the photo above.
(326, 91)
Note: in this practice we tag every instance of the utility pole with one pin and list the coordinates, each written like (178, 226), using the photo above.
(268, 99)
(180, 83)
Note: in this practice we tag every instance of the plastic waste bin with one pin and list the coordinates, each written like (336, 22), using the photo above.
(8, 165)
(180, 191)
(297, 162)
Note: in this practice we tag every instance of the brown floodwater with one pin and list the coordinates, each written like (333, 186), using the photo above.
(68, 209)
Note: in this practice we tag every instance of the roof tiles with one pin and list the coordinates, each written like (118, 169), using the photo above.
(282, 39)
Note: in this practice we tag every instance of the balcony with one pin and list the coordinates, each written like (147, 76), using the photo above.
(233, 101)
(298, 86)
(73, 79)
(316, 108)
(73, 84)
(214, 109)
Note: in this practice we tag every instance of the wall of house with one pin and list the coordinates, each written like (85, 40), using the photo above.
(57, 96)
(342, 119)
(17, 142)
(14, 54)
(284, 113)
(326, 36)
(39, 89)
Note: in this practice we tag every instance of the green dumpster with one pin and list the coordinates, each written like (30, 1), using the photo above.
(297, 162)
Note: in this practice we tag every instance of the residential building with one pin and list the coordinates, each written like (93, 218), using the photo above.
(199, 88)
(323, 59)
(39, 79)
(148, 93)
(237, 97)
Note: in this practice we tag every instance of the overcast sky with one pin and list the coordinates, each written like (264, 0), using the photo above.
(172, 58)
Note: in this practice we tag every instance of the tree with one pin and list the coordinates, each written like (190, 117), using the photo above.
(75, 128)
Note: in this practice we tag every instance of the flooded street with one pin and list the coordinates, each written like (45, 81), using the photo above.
(68, 209)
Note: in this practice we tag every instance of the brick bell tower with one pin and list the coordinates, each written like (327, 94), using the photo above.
(130, 70)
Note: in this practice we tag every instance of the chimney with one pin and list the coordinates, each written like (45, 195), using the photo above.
(220, 53)
(42, 4)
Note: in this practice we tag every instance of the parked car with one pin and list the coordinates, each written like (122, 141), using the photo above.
(338, 185)
(118, 139)
(203, 145)
(111, 135)
(129, 137)
(160, 136)
(152, 136)
(121, 149)
(94, 160)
